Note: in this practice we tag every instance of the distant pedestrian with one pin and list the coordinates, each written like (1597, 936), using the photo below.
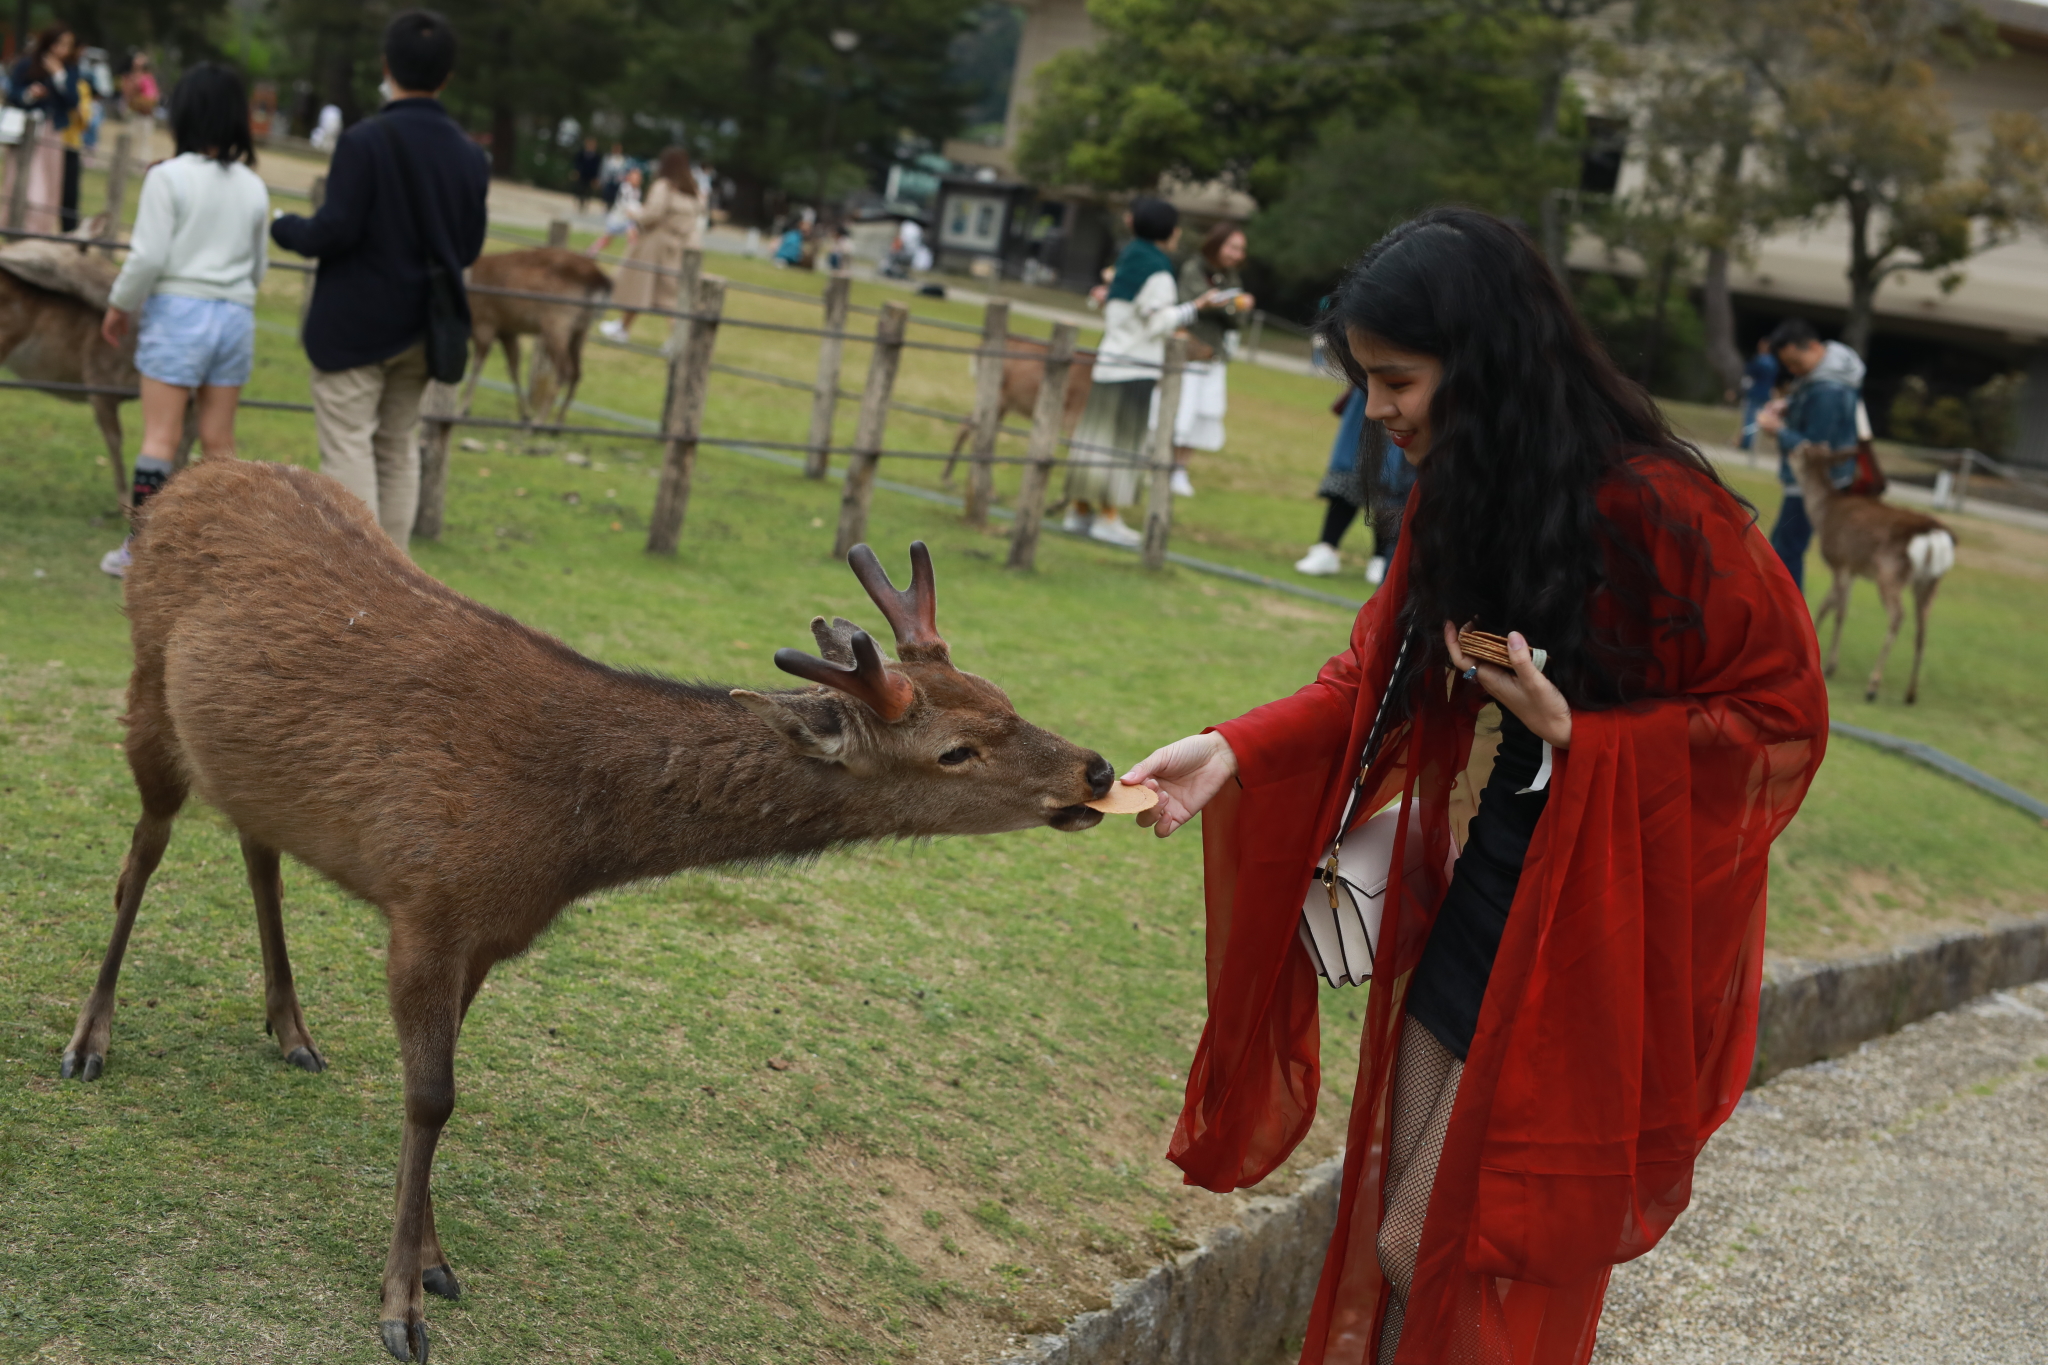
(405, 195)
(45, 82)
(1349, 487)
(327, 129)
(1759, 378)
(1212, 344)
(622, 218)
(1142, 310)
(907, 254)
(139, 92)
(586, 166)
(669, 225)
(1820, 410)
(195, 261)
(74, 137)
(611, 173)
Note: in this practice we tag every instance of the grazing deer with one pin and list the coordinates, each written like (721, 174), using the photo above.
(559, 328)
(471, 777)
(1863, 537)
(52, 297)
(1021, 378)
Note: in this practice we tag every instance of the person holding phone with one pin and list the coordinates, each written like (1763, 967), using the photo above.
(1563, 1005)
(1213, 337)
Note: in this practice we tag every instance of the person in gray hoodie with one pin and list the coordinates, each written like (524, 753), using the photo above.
(1821, 409)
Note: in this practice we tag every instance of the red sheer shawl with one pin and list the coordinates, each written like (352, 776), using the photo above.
(1619, 1024)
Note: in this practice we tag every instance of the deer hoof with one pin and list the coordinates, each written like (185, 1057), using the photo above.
(306, 1059)
(86, 1068)
(1871, 695)
(439, 1279)
(399, 1339)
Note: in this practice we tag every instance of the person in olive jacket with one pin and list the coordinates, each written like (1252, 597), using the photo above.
(405, 187)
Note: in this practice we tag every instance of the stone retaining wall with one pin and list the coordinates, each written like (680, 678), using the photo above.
(1242, 1298)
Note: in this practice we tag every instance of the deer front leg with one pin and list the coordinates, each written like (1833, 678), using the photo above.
(1838, 603)
(480, 350)
(86, 1054)
(282, 1016)
(1888, 588)
(510, 342)
(426, 989)
(106, 412)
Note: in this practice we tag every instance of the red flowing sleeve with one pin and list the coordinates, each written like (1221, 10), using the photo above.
(1253, 1083)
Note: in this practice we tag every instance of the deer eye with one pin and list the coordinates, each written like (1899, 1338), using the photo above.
(953, 758)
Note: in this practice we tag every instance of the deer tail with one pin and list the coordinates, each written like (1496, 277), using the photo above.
(1932, 554)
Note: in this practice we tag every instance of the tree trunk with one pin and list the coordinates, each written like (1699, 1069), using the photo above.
(1863, 278)
(1718, 310)
(1653, 341)
(504, 140)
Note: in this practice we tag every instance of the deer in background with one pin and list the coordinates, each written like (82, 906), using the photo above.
(1021, 379)
(470, 777)
(1863, 537)
(559, 328)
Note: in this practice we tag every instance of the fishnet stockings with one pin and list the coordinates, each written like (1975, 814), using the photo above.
(1425, 1087)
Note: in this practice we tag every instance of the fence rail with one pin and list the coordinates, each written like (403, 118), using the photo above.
(689, 356)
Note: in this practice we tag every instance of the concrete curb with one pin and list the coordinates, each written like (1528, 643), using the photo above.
(1243, 1296)
(1812, 1010)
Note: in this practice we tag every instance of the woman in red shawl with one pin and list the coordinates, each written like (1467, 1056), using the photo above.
(1558, 1020)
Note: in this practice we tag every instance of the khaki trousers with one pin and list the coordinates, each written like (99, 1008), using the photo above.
(367, 420)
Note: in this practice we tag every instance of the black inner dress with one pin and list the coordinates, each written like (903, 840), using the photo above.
(1450, 981)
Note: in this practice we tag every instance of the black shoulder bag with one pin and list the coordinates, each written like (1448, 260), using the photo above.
(447, 339)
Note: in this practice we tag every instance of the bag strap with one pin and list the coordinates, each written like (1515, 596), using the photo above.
(409, 181)
(1327, 874)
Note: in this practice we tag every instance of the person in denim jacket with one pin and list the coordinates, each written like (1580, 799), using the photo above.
(1821, 409)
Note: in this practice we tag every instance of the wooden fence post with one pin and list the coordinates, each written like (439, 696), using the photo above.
(825, 398)
(689, 379)
(1159, 506)
(988, 411)
(867, 433)
(316, 195)
(1046, 420)
(438, 409)
(117, 188)
(18, 156)
(558, 232)
(687, 276)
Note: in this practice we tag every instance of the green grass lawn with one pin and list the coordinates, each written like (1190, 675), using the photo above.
(986, 1038)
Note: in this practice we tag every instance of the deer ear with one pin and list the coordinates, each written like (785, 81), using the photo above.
(835, 642)
(814, 728)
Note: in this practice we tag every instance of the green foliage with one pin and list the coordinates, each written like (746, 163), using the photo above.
(1983, 419)
(1662, 348)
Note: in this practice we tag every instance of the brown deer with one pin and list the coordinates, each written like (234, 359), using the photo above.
(559, 328)
(1021, 378)
(470, 776)
(1863, 537)
(52, 297)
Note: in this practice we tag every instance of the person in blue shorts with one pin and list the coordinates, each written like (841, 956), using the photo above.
(194, 264)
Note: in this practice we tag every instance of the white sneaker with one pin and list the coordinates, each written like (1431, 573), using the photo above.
(1074, 523)
(611, 330)
(1375, 569)
(116, 561)
(1112, 531)
(1181, 487)
(1321, 561)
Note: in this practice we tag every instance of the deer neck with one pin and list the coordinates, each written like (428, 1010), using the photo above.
(696, 781)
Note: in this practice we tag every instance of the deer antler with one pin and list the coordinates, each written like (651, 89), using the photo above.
(863, 677)
(913, 612)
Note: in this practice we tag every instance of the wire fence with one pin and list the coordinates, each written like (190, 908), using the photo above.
(689, 357)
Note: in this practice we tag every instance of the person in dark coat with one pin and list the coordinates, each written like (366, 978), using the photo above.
(405, 187)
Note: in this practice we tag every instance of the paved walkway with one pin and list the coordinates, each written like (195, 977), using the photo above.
(1888, 1207)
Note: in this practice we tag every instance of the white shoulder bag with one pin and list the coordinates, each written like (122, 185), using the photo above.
(1340, 916)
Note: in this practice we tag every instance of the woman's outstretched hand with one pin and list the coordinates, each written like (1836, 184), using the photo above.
(1522, 689)
(1186, 774)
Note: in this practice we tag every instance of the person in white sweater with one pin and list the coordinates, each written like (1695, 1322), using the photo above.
(194, 262)
(1142, 311)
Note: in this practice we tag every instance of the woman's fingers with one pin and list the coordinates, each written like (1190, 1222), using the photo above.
(1458, 659)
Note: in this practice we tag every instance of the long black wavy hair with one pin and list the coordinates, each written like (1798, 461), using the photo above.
(1528, 420)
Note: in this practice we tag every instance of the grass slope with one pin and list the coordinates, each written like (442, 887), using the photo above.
(985, 1037)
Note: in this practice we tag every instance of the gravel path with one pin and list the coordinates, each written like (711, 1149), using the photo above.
(1891, 1206)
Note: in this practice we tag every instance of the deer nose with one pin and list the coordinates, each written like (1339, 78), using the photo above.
(1100, 775)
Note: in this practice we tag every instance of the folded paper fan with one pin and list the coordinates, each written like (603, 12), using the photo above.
(1124, 800)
